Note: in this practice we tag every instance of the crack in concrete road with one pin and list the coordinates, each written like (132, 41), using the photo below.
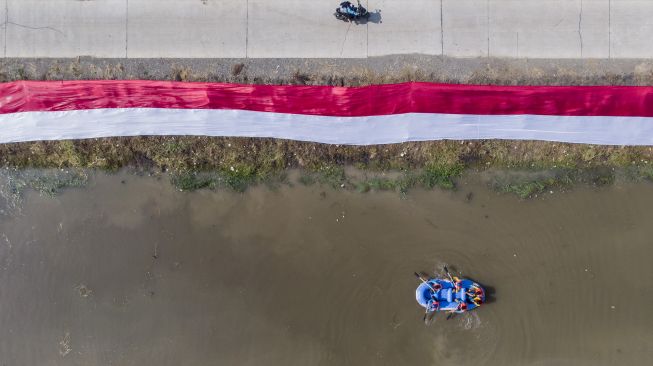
(609, 29)
(5, 27)
(33, 28)
(580, 33)
(126, 28)
(441, 30)
(344, 41)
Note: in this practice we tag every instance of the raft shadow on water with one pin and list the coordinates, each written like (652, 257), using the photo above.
(489, 293)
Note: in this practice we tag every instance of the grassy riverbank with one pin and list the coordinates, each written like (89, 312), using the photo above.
(236, 163)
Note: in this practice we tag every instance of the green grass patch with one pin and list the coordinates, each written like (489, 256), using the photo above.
(234, 178)
(530, 184)
(192, 181)
(54, 184)
(376, 184)
(307, 179)
(328, 174)
(240, 177)
(50, 182)
(46, 182)
(526, 189)
(331, 175)
(441, 175)
(646, 172)
(639, 173)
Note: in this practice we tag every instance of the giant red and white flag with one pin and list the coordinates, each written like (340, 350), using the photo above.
(380, 114)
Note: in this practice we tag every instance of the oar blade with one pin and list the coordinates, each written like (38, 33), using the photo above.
(429, 318)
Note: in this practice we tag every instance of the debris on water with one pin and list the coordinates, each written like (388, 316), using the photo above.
(395, 323)
(83, 290)
(64, 345)
(4, 236)
(612, 307)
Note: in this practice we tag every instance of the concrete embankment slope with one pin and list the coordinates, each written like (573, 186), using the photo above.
(307, 29)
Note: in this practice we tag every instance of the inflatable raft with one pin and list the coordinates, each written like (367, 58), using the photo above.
(455, 295)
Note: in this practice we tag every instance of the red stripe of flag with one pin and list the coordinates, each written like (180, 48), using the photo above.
(25, 96)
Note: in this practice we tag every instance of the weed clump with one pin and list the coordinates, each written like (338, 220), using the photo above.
(239, 178)
(51, 185)
(331, 175)
(191, 181)
(15, 182)
(527, 189)
(528, 184)
(441, 175)
(638, 173)
(377, 184)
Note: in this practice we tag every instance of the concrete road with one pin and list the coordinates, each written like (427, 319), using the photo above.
(307, 29)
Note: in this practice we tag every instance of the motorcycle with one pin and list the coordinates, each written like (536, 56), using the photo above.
(349, 13)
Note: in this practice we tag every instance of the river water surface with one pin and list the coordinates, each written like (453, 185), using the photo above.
(129, 271)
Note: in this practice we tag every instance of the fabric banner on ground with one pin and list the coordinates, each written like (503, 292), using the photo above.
(48, 110)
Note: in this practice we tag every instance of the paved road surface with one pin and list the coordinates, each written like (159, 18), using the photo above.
(307, 29)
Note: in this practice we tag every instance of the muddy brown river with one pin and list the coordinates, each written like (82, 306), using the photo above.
(128, 271)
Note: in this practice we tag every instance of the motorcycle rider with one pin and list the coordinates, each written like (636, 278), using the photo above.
(348, 8)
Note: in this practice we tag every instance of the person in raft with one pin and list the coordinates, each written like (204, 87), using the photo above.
(434, 305)
(474, 292)
(462, 306)
(456, 283)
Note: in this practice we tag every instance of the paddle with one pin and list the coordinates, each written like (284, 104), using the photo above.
(424, 318)
(420, 277)
(427, 312)
(427, 319)
(448, 274)
(424, 281)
